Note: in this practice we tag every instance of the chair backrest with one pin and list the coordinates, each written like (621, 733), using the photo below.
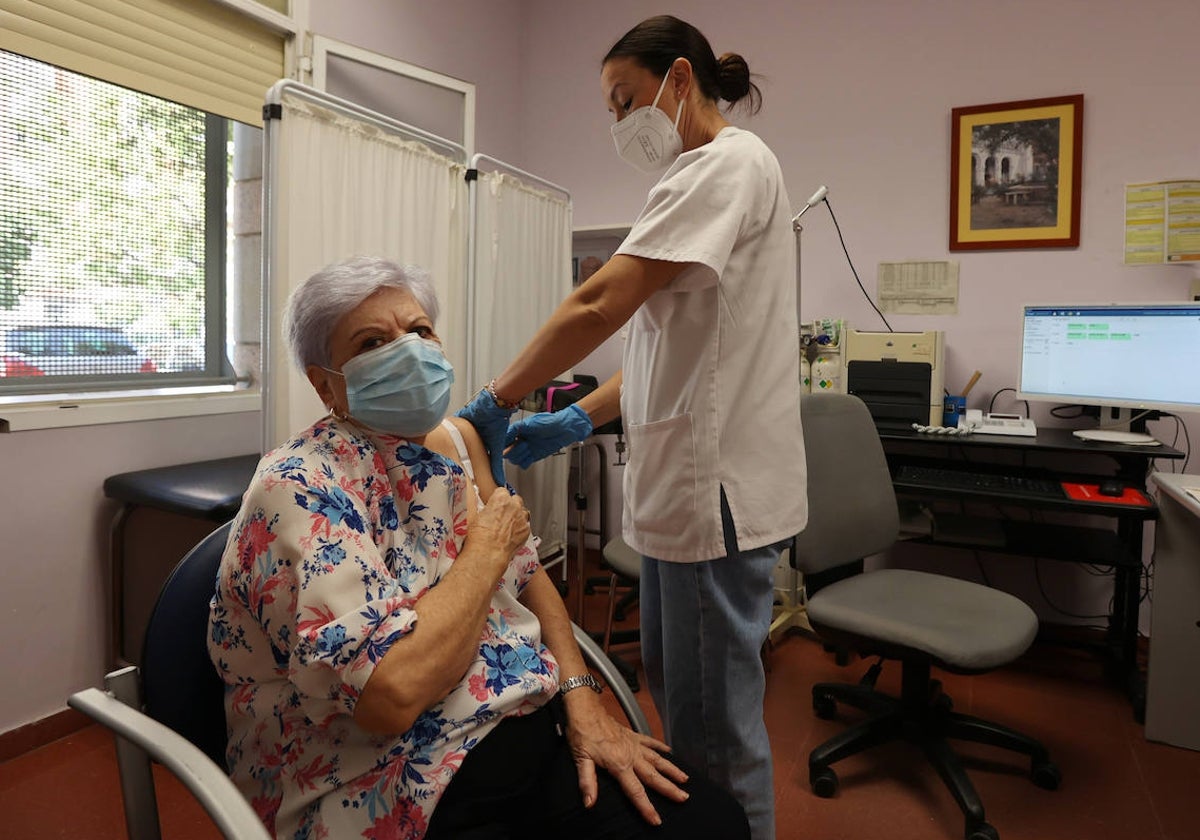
(852, 510)
(182, 689)
(180, 685)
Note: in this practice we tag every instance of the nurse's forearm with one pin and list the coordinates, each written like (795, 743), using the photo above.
(604, 403)
(592, 313)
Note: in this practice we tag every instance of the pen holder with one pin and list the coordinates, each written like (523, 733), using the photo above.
(953, 409)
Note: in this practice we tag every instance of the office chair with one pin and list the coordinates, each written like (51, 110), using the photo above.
(624, 564)
(172, 708)
(923, 620)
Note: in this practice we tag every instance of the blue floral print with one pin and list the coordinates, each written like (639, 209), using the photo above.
(337, 517)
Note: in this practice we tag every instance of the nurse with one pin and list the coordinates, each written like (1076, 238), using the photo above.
(708, 392)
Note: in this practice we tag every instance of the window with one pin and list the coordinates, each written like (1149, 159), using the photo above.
(116, 235)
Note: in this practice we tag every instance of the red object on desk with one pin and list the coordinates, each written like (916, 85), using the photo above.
(1091, 493)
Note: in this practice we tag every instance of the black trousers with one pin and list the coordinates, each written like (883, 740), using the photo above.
(521, 782)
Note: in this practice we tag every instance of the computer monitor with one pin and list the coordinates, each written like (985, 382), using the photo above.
(1131, 358)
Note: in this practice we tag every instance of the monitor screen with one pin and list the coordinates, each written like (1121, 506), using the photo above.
(1138, 356)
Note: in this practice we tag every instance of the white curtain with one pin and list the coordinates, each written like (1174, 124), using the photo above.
(341, 180)
(338, 186)
(522, 254)
(522, 271)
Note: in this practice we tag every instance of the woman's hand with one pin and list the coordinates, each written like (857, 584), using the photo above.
(502, 527)
(636, 761)
(427, 663)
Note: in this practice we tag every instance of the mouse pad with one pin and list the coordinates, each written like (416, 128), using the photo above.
(1091, 493)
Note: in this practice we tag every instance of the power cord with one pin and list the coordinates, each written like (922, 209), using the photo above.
(846, 251)
(1120, 423)
(992, 401)
(1037, 573)
(1187, 440)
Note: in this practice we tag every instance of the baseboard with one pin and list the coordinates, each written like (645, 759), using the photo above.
(21, 740)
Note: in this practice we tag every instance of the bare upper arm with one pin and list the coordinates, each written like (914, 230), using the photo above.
(479, 457)
(625, 282)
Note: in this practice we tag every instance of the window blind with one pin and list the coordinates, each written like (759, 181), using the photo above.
(194, 52)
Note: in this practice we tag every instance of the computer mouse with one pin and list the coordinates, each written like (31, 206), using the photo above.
(1111, 487)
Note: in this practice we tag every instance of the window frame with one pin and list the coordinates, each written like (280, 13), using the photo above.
(70, 400)
(61, 39)
(217, 368)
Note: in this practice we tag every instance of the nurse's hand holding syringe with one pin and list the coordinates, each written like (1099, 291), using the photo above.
(536, 437)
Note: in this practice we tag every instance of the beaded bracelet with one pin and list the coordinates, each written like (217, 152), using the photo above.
(491, 389)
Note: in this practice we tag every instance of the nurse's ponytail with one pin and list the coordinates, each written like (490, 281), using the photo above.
(656, 42)
(736, 85)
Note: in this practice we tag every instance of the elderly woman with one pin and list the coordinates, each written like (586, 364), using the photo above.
(398, 664)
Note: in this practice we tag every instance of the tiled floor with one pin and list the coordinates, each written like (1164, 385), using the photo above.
(1116, 785)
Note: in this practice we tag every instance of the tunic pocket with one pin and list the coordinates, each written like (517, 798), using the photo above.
(660, 481)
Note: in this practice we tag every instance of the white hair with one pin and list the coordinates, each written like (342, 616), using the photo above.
(315, 307)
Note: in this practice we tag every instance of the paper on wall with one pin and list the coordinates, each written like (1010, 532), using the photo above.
(1162, 222)
(919, 287)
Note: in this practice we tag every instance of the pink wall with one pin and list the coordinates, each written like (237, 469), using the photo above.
(478, 41)
(857, 96)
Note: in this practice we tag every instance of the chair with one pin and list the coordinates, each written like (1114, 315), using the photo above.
(172, 709)
(625, 566)
(923, 620)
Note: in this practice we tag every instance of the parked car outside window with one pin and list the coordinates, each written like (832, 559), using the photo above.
(69, 350)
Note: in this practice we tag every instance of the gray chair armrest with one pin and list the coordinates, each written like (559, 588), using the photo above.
(205, 780)
(594, 655)
(141, 738)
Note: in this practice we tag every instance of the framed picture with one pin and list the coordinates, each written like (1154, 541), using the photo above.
(1015, 174)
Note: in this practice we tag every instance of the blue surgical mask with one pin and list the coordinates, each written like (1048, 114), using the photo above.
(402, 388)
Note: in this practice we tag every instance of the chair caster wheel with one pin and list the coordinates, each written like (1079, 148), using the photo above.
(824, 706)
(1046, 775)
(824, 782)
(983, 831)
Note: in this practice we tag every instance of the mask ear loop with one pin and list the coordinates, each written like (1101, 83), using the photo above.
(344, 416)
(679, 110)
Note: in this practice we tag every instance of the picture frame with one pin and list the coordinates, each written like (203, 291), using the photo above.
(1015, 174)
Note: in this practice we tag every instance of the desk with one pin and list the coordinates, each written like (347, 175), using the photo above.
(1173, 682)
(1059, 454)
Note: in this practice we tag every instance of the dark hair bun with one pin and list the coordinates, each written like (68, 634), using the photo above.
(735, 77)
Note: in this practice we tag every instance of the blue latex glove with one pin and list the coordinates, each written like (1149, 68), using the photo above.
(491, 421)
(533, 438)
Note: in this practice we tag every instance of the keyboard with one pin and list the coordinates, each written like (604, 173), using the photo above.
(936, 478)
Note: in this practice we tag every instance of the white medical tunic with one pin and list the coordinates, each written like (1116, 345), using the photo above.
(711, 368)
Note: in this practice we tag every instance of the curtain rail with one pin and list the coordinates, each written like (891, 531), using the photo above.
(499, 164)
(392, 126)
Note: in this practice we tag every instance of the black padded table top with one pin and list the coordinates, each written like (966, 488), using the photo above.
(206, 489)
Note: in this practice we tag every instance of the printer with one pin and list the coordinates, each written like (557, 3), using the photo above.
(899, 375)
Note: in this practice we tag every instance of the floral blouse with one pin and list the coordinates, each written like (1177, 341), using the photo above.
(339, 534)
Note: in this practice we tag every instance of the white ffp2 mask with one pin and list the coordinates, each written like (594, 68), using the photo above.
(646, 139)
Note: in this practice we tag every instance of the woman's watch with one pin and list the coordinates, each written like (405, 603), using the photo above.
(572, 683)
